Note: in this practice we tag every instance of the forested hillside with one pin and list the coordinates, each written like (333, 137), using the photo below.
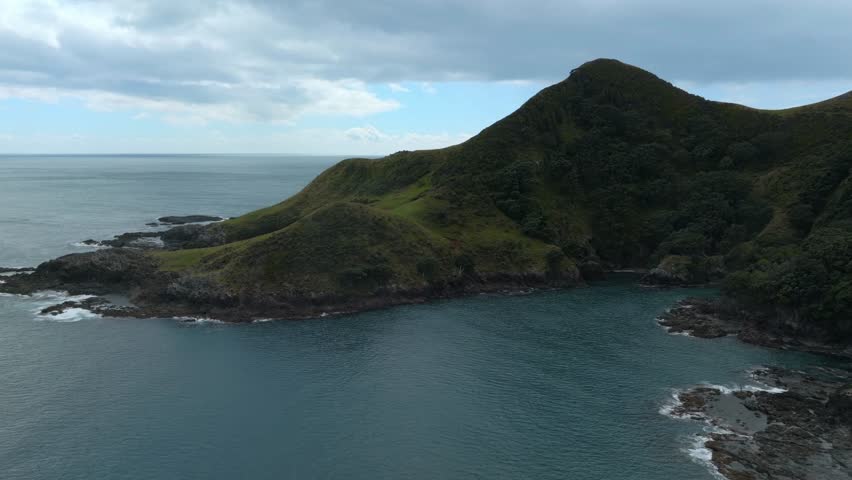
(610, 168)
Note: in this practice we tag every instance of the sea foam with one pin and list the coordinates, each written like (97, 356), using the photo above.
(69, 315)
(200, 320)
(673, 402)
(88, 245)
(700, 454)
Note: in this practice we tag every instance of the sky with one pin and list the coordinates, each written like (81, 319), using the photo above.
(368, 78)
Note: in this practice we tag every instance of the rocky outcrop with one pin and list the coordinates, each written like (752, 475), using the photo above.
(102, 271)
(130, 239)
(193, 236)
(672, 270)
(701, 317)
(592, 270)
(721, 316)
(799, 430)
(156, 293)
(682, 270)
(183, 236)
(92, 304)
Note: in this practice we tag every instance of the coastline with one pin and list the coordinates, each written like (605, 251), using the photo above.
(794, 424)
(129, 272)
(710, 318)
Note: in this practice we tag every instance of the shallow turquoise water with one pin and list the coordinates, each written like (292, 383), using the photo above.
(555, 385)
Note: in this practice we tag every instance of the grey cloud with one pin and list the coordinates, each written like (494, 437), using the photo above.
(274, 60)
(725, 40)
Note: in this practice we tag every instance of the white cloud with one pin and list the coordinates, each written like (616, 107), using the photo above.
(770, 95)
(365, 140)
(196, 61)
(427, 87)
(398, 88)
(318, 97)
(342, 97)
(214, 68)
(367, 133)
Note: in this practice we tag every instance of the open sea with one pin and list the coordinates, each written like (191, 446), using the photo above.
(554, 385)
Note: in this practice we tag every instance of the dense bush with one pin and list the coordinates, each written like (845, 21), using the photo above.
(614, 167)
(813, 280)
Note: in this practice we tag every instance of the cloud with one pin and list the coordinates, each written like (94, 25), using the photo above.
(398, 88)
(173, 61)
(368, 133)
(366, 140)
(427, 87)
(358, 137)
(278, 61)
(771, 94)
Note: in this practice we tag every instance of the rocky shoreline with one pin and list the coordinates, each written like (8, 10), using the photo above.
(191, 231)
(123, 266)
(798, 427)
(154, 293)
(720, 317)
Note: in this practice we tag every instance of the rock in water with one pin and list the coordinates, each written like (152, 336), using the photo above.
(800, 433)
(16, 269)
(182, 220)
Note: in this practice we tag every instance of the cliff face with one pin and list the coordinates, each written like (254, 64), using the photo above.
(612, 167)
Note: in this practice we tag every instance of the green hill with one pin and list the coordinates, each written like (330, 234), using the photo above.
(612, 167)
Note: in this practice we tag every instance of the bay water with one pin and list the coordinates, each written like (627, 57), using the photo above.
(553, 385)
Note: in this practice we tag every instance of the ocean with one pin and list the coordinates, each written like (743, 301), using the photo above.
(570, 384)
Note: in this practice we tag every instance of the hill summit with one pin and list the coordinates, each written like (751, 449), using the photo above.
(611, 168)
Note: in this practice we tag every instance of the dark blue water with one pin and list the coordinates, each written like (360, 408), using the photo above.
(562, 385)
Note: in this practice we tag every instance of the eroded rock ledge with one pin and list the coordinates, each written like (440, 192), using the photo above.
(719, 317)
(798, 430)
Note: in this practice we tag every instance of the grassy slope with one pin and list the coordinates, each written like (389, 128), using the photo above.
(612, 164)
